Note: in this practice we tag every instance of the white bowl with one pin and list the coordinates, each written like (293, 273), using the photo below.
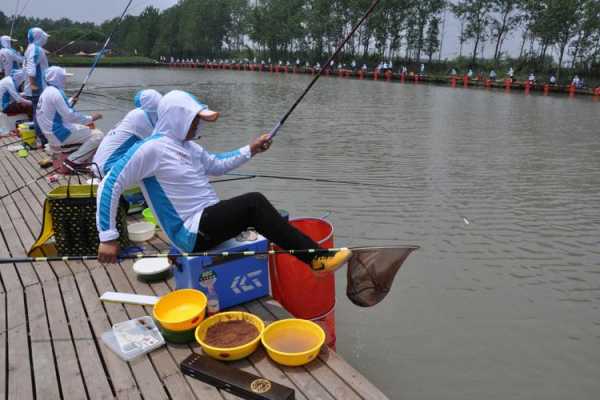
(141, 231)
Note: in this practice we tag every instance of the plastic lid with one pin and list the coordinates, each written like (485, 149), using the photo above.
(151, 266)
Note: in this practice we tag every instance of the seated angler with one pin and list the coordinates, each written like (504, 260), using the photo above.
(10, 59)
(137, 125)
(12, 101)
(173, 171)
(62, 125)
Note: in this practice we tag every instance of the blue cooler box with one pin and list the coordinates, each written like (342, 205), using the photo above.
(233, 279)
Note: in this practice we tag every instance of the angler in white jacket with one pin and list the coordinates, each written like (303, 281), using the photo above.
(173, 171)
(36, 64)
(137, 125)
(62, 125)
(10, 59)
(12, 101)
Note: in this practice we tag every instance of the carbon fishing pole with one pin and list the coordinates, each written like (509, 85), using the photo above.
(99, 55)
(323, 180)
(322, 70)
(71, 43)
(17, 15)
(224, 254)
(12, 25)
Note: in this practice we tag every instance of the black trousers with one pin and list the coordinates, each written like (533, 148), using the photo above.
(228, 218)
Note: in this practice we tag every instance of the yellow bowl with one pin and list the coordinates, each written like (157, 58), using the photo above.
(291, 333)
(229, 353)
(180, 310)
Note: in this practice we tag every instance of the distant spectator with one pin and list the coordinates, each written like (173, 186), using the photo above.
(492, 75)
(552, 79)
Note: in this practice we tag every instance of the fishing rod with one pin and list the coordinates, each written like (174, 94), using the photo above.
(146, 85)
(224, 254)
(322, 70)
(53, 171)
(71, 43)
(322, 180)
(99, 55)
(17, 15)
(12, 25)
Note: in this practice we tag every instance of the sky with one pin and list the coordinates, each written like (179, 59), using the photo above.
(101, 10)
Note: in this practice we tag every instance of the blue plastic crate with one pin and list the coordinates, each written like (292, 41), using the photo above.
(235, 279)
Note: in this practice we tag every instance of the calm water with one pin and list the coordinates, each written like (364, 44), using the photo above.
(504, 307)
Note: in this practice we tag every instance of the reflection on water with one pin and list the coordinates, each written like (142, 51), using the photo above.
(501, 191)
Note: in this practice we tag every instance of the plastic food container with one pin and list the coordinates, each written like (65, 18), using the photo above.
(141, 231)
(149, 215)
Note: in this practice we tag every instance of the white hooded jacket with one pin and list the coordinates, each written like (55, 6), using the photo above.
(36, 62)
(10, 59)
(9, 89)
(172, 172)
(54, 114)
(137, 125)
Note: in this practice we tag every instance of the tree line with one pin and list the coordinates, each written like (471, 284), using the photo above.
(550, 31)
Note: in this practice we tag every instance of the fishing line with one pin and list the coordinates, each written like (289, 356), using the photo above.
(322, 70)
(99, 54)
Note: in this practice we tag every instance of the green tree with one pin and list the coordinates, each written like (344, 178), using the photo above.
(507, 16)
(476, 15)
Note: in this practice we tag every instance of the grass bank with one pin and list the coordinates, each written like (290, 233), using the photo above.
(117, 61)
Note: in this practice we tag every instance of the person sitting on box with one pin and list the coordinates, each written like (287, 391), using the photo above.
(173, 171)
(12, 102)
(137, 125)
(62, 124)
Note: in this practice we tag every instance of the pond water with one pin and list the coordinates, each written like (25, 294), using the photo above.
(504, 306)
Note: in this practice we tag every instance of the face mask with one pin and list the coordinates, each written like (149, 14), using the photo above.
(199, 129)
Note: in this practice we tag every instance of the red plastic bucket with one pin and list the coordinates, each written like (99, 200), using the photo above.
(327, 322)
(294, 285)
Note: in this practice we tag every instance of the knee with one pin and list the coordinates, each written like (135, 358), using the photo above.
(256, 198)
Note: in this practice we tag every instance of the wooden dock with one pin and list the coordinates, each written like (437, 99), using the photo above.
(51, 320)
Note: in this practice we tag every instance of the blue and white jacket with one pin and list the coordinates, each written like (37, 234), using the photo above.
(36, 62)
(172, 173)
(10, 59)
(137, 125)
(54, 114)
(9, 89)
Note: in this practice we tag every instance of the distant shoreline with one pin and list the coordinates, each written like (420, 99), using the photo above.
(143, 62)
(86, 61)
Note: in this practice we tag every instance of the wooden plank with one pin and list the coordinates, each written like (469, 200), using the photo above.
(96, 382)
(178, 353)
(20, 384)
(304, 381)
(66, 358)
(42, 352)
(13, 227)
(120, 373)
(161, 359)
(146, 378)
(344, 370)
(3, 344)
